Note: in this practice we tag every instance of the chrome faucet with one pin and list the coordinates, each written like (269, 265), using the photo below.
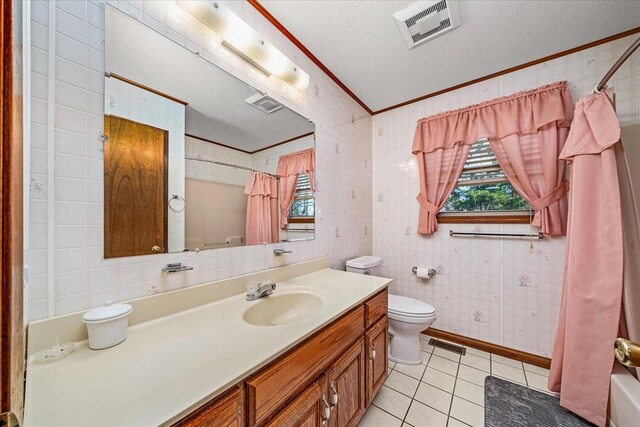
(260, 290)
(279, 252)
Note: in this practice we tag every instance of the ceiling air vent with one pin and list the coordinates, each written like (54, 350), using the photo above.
(264, 103)
(425, 20)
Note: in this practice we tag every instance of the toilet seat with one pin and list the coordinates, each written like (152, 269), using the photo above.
(404, 307)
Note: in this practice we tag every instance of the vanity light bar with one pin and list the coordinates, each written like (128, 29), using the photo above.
(238, 36)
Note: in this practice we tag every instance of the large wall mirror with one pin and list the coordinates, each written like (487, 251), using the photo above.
(195, 158)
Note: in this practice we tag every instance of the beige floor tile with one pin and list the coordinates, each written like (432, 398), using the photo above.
(393, 402)
(480, 353)
(424, 345)
(536, 369)
(439, 379)
(510, 373)
(467, 412)
(455, 423)
(447, 354)
(392, 364)
(402, 383)
(445, 365)
(434, 397)
(375, 417)
(472, 375)
(538, 382)
(423, 416)
(469, 391)
(414, 371)
(425, 357)
(506, 361)
(476, 362)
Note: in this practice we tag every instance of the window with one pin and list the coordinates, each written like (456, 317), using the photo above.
(483, 193)
(303, 207)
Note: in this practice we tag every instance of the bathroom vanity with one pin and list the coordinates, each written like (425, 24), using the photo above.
(312, 353)
(329, 379)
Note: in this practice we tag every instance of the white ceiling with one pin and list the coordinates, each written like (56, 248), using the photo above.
(360, 43)
(217, 110)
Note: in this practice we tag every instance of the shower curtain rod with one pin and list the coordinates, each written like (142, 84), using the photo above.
(617, 65)
(231, 165)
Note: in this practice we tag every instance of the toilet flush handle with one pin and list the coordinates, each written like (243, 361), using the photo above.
(367, 272)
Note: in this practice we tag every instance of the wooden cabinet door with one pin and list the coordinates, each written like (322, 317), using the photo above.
(135, 188)
(224, 411)
(346, 393)
(277, 383)
(376, 341)
(309, 409)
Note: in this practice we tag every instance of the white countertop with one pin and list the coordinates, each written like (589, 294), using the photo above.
(169, 366)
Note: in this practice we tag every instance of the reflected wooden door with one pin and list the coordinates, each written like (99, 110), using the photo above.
(135, 188)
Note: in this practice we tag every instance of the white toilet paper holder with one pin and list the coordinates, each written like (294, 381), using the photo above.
(432, 272)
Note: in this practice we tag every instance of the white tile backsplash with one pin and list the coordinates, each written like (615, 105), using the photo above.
(81, 277)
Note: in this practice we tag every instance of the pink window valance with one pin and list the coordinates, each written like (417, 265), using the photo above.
(526, 132)
(521, 113)
(289, 167)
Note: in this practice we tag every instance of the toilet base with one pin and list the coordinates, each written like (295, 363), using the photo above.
(404, 340)
(404, 362)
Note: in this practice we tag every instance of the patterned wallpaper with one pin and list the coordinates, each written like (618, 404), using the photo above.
(503, 291)
(66, 270)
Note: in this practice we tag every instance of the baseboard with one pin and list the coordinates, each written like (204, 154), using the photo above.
(522, 356)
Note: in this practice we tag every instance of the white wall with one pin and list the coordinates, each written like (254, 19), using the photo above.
(66, 270)
(504, 292)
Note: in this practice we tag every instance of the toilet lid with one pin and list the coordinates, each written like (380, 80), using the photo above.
(410, 306)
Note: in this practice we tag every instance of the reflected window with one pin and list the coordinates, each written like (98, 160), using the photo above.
(303, 208)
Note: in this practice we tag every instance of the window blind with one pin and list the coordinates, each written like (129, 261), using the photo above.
(481, 167)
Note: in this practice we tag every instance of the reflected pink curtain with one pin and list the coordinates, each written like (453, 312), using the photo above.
(583, 357)
(289, 166)
(526, 130)
(262, 215)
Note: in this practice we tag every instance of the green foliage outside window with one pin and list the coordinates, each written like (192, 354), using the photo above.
(485, 197)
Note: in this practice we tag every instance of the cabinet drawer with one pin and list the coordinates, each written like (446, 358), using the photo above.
(376, 308)
(276, 384)
(223, 411)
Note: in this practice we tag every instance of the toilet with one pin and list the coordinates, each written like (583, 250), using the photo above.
(408, 317)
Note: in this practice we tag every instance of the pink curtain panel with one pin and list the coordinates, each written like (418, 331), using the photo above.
(289, 167)
(526, 130)
(583, 358)
(262, 215)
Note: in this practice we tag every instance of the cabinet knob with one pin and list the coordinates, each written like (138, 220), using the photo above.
(334, 395)
(372, 352)
(156, 249)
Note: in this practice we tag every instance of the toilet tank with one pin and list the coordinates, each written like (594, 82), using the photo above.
(365, 265)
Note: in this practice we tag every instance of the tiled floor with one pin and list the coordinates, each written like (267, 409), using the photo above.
(447, 390)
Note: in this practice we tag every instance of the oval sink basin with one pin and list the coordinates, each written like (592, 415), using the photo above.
(278, 310)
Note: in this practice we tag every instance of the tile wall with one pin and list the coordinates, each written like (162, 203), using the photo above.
(66, 271)
(506, 292)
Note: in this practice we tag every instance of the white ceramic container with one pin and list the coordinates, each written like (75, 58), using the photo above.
(107, 325)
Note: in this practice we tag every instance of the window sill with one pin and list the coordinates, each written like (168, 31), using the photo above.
(473, 218)
(302, 220)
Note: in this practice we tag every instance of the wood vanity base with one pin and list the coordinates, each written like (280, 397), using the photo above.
(327, 380)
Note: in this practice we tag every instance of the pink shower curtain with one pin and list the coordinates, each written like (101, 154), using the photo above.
(526, 131)
(289, 167)
(583, 357)
(262, 215)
